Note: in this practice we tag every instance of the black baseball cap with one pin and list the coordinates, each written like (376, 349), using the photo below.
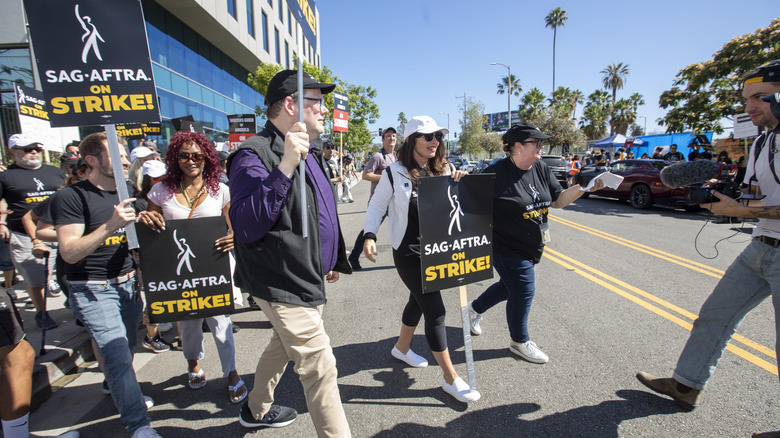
(769, 72)
(521, 131)
(285, 83)
(389, 129)
(69, 158)
(223, 155)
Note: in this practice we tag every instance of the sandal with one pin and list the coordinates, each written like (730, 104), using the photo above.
(234, 389)
(197, 380)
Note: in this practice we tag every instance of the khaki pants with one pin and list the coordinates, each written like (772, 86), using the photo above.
(299, 336)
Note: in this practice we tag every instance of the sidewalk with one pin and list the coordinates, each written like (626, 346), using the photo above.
(67, 346)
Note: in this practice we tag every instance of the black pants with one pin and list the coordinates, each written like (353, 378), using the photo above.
(429, 304)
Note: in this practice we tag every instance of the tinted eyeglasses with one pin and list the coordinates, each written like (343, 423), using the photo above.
(538, 143)
(28, 149)
(328, 147)
(429, 137)
(196, 157)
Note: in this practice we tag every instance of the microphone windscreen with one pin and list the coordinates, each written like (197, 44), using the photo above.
(693, 172)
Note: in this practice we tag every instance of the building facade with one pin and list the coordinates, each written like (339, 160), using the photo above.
(202, 52)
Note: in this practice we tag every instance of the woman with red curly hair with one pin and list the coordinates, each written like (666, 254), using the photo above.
(191, 189)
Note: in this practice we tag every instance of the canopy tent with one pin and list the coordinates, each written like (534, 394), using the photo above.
(616, 141)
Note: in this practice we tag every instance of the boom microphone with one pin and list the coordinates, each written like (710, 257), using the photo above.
(692, 172)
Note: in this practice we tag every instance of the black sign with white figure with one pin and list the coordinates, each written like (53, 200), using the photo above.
(456, 230)
(93, 60)
(185, 276)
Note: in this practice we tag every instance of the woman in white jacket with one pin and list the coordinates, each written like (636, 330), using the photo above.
(421, 155)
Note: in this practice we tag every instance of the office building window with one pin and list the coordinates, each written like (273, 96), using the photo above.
(281, 12)
(231, 5)
(289, 21)
(276, 41)
(250, 17)
(265, 32)
(287, 54)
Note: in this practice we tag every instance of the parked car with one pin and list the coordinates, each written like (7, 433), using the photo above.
(558, 166)
(456, 161)
(482, 165)
(641, 185)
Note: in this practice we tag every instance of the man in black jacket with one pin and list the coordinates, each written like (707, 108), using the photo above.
(282, 269)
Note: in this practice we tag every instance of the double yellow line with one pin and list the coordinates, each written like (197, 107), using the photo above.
(650, 301)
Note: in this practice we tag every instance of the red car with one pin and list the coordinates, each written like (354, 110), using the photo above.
(641, 185)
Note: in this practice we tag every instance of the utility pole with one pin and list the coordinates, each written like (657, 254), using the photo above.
(508, 94)
(448, 132)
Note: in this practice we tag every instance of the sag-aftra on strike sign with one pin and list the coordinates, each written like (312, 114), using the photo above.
(93, 60)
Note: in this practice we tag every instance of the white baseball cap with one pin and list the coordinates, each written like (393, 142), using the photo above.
(22, 140)
(141, 152)
(153, 168)
(422, 125)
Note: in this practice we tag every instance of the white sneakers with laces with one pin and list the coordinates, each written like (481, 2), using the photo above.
(475, 318)
(528, 351)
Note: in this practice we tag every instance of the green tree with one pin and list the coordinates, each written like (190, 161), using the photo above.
(490, 142)
(262, 76)
(555, 121)
(401, 126)
(704, 93)
(471, 126)
(566, 98)
(595, 115)
(531, 104)
(614, 76)
(508, 82)
(556, 18)
(623, 116)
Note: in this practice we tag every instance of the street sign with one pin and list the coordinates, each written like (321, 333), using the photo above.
(340, 112)
(93, 58)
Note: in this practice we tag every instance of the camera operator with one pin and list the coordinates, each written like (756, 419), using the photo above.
(755, 274)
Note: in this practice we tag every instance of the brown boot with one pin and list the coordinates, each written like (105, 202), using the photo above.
(775, 434)
(685, 397)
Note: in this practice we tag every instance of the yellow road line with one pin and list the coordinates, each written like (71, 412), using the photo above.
(686, 263)
(582, 269)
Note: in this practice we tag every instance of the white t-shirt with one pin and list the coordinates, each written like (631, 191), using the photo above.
(172, 209)
(769, 187)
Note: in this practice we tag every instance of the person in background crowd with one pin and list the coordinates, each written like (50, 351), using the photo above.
(673, 156)
(589, 161)
(657, 155)
(223, 156)
(696, 154)
(630, 156)
(24, 185)
(288, 283)
(331, 169)
(73, 148)
(348, 174)
(191, 189)
(755, 274)
(139, 156)
(372, 172)
(422, 155)
(103, 292)
(723, 158)
(524, 184)
(67, 160)
(644, 156)
(6, 263)
(574, 169)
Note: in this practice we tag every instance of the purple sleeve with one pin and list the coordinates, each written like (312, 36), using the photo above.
(256, 196)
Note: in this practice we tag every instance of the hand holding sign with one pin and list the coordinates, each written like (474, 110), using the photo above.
(123, 213)
(296, 148)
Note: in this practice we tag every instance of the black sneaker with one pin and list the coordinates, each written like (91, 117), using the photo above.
(106, 390)
(155, 344)
(277, 416)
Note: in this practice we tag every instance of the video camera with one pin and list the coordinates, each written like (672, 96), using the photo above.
(696, 194)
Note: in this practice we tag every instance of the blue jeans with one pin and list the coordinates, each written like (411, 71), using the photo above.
(100, 307)
(517, 287)
(753, 276)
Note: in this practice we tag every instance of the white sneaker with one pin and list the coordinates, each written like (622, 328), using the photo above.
(460, 390)
(54, 289)
(149, 402)
(411, 358)
(528, 351)
(475, 318)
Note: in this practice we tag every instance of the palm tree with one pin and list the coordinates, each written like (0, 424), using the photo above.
(596, 114)
(613, 77)
(531, 104)
(555, 18)
(568, 97)
(507, 82)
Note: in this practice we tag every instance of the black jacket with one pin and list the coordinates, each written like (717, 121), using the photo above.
(283, 266)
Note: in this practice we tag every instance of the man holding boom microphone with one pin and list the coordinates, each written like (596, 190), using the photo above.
(755, 274)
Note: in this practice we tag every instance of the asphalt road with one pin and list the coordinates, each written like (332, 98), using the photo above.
(617, 291)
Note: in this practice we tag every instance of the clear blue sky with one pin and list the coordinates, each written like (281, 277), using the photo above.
(420, 54)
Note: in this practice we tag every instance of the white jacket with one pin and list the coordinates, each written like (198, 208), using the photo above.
(393, 200)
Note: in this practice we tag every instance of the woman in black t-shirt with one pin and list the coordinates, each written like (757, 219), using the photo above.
(525, 189)
(421, 155)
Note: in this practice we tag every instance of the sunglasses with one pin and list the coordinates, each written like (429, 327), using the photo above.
(538, 143)
(186, 156)
(28, 149)
(429, 137)
(328, 147)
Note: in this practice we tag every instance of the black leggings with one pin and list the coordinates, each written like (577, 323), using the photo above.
(429, 304)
